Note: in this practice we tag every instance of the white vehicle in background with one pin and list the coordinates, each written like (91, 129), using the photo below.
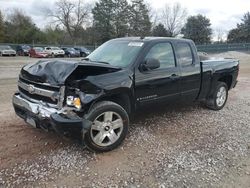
(7, 51)
(54, 51)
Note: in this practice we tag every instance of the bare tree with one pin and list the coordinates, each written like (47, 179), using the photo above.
(220, 35)
(152, 13)
(173, 18)
(73, 15)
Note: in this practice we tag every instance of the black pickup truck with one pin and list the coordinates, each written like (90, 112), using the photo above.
(98, 95)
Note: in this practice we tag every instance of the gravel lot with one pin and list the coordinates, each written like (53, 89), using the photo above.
(168, 146)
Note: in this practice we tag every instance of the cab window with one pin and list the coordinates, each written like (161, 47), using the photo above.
(184, 54)
(163, 52)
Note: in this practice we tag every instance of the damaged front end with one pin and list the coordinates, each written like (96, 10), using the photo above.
(45, 115)
(50, 95)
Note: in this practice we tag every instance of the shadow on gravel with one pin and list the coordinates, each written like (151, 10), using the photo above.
(140, 119)
(142, 115)
(157, 110)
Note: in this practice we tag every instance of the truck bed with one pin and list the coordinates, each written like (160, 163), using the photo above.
(212, 69)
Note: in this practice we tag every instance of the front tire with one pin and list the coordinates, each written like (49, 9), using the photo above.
(219, 98)
(109, 128)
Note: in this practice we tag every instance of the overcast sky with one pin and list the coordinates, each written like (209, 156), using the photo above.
(223, 14)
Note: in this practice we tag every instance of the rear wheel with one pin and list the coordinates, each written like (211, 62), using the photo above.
(109, 128)
(219, 98)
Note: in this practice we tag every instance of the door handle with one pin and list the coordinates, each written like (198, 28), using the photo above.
(174, 77)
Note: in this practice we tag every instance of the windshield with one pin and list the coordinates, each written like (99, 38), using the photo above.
(84, 49)
(70, 49)
(26, 47)
(5, 48)
(81, 48)
(39, 49)
(55, 48)
(116, 53)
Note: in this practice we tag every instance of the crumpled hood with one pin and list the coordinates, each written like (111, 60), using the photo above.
(56, 72)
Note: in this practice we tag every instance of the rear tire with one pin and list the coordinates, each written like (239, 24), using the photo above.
(219, 98)
(109, 128)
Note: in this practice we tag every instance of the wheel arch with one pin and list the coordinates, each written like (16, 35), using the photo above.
(228, 79)
(123, 99)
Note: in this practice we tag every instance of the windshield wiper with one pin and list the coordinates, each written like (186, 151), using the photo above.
(87, 59)
(101, 62)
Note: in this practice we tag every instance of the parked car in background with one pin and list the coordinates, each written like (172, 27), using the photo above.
(38, 52)
(22, 50)
(7, 51)
(71, 52)
(54, 51)
(83, 51)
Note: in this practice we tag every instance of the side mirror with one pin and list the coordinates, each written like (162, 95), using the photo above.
(150, 64)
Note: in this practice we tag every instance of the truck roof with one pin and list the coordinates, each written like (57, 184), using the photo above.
(147, 39)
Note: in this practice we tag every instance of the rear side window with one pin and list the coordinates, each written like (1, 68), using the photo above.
(184, 54)
(163, 52)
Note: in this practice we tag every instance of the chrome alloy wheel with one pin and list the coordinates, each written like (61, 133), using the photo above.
(106, 128)
(221, 96)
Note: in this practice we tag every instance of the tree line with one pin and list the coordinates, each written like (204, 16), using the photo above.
(76, 22)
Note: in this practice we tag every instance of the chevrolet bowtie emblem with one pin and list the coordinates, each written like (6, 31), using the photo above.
(31, 89)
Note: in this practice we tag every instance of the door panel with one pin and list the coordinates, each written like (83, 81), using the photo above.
(161, 84)
(190, 72)
(190, 82)
(157, 85)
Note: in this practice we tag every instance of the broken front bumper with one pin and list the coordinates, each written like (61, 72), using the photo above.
(41, 116)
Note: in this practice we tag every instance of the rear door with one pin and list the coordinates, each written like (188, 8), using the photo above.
(190, 71)
(161, 84)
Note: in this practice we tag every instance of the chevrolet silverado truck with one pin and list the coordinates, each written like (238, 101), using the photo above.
(98, 95)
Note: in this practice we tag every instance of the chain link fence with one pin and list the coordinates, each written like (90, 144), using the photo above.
(224, 47)
(203, 48)
(14, 46)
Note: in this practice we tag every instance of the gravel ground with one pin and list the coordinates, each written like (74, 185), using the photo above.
(173, 146)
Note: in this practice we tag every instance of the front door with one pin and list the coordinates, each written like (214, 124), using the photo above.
(161, 84)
